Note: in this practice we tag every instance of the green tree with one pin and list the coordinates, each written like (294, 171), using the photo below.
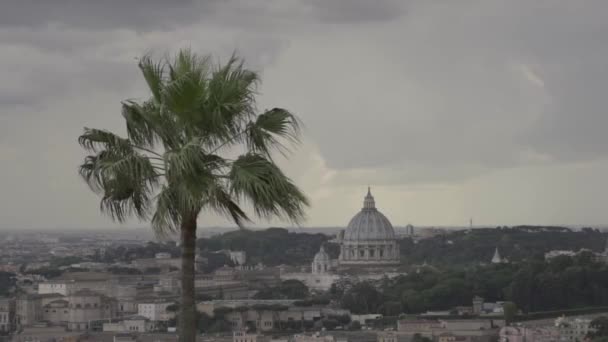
(7, 282)
(419, 338)
(354, 325)
(510, 310)
(362, 298)
(294, 289)
(600, 325)
(177, 158)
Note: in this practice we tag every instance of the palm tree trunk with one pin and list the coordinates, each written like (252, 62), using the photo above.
(187, 319)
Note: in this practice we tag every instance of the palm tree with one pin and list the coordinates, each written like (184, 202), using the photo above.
(175, 161)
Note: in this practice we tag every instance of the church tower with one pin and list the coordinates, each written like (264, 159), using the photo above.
(497, 259)
(321, 263)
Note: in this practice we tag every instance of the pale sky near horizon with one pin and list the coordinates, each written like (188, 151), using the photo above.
(488, 109)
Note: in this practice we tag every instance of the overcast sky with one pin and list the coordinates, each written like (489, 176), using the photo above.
(495, 110)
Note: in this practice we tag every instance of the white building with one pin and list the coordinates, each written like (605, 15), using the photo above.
(527, 334)
(238, 257)
(162, 255)
(133, 324)
(7, 315)
(482, 330)
(573, 329)
(69, 283)
(243, 336)
(86, 306)
(320, 278)
(369, 241)
(154, 311)
(53, 287)
(317, 338)
(555, 253)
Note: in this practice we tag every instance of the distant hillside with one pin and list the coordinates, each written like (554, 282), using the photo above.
(273, 246)
(515, 243)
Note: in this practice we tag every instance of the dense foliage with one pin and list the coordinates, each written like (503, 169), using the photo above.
(563, 282)
(516, 243)
(128, 253)
(288, 289)
(600, 326)
(7, 281)
(273, 246)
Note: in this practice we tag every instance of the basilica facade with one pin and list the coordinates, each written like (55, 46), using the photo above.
(368, 244)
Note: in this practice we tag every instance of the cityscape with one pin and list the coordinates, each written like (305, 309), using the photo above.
(101, 286)
(303, 171)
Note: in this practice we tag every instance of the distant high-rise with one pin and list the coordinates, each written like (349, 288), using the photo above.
(409, 230)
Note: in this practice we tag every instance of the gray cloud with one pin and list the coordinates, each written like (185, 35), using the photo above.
(498, 85)
(138, 14)
(435, 103)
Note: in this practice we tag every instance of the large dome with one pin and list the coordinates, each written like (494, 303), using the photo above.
(369, 224)
(369, 239)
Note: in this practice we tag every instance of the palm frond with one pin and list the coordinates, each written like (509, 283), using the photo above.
(190, 162)
(154, 74)
(270, 129)
(230, 102)
(124, 198)
(220, 200)
(259, 181)
(141, 125)
(125, 179)
(167, 216)
(96, 139)
(147, 125)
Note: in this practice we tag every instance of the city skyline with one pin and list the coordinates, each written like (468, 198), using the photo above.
(486, 109)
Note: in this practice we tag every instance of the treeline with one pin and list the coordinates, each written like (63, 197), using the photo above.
(7, 281)
(123, 253)
(562, 283)
(516, 243)
(272, 247)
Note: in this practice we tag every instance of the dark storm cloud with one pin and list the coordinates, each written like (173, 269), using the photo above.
(495, 84)
(397, 93)
(356, 11)
(140, 14)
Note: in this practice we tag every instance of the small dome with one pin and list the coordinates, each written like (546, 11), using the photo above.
(321, 256)
(369, 223)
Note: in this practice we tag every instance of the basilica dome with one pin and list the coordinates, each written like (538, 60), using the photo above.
(369, 223)
(369, 238)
